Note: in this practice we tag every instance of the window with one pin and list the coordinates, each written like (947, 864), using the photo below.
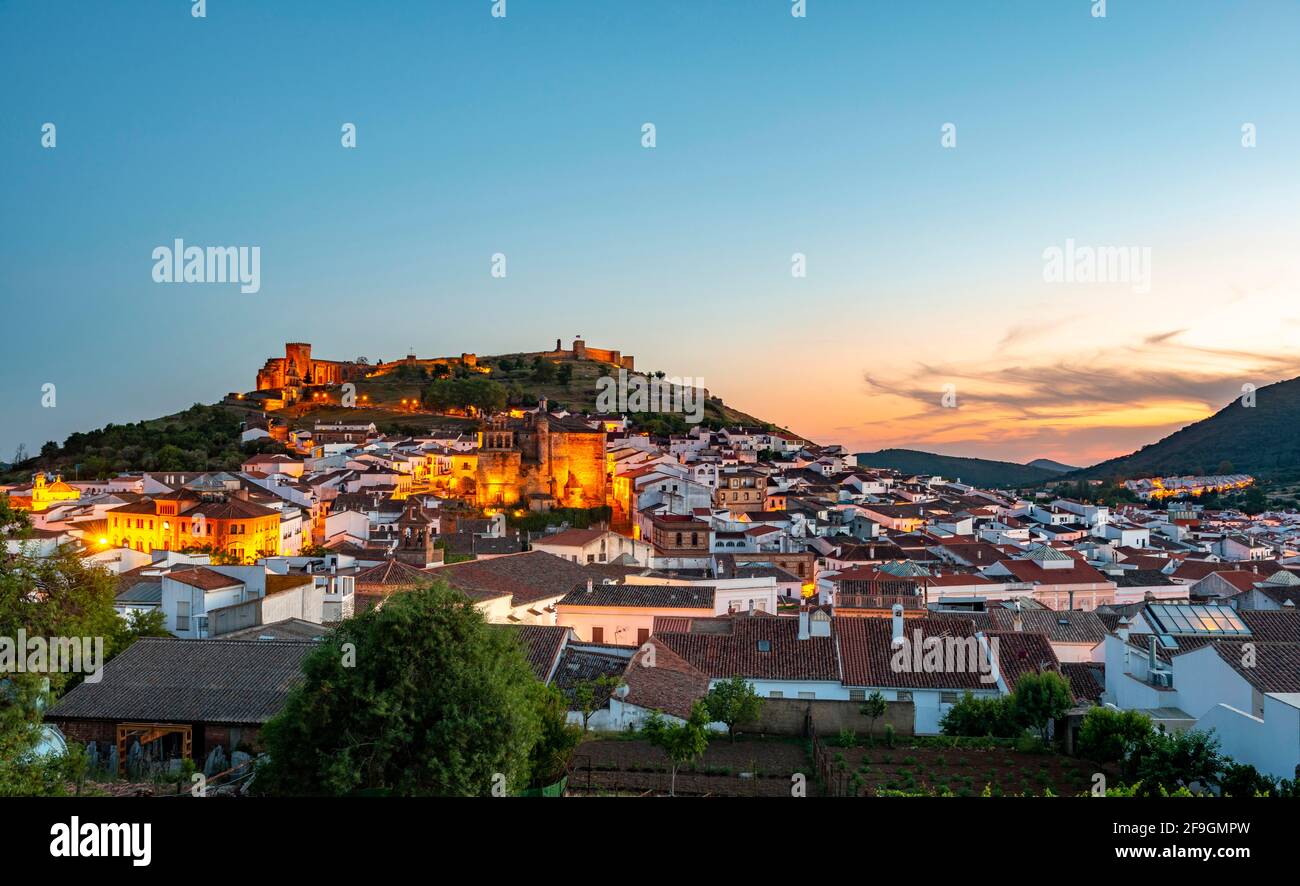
(598, 635)
(948, 697)
(182, 615)
(807, 694)
(857, 695)
(902, 696)
(776, 693)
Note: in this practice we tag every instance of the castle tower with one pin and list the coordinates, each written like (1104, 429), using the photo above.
(298, 356)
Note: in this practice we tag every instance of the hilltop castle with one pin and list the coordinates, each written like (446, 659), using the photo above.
(282, 380)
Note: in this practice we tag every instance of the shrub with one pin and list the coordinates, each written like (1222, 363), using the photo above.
(1108, 735)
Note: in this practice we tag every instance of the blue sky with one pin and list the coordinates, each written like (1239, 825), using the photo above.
(775, 135)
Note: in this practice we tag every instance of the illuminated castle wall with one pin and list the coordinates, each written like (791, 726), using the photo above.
(580, 351)
(297, 369)
(540, 455)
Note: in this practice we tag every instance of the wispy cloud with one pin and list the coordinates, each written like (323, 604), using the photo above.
(1081, 406)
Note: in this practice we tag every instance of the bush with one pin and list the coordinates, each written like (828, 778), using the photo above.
(1244, 780)
(1165, 763)
(1108, 735)
(982, 717)
(1039, 699)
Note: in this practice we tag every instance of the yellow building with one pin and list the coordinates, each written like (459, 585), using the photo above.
(184, 520)
(43, 494)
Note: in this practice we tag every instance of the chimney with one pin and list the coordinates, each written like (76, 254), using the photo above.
(588, 586)
(1123, 628)
(803, 623)
(1017, 624)
(897, 625)
(1153, 660)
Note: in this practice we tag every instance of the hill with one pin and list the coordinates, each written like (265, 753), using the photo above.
(207, 438)
(1259, 440)
(1048, 465)
(976, 471)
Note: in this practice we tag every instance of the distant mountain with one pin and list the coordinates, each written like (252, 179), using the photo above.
(976, 471)
(1263, 440)
(1048, 465)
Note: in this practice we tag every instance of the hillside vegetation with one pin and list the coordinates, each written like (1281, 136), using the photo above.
(1262, 440)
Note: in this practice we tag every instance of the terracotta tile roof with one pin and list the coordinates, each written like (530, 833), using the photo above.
(1020, 653)
(541, 644)
(672, 685)
(867, 652)
(203, 578)
(393, 573)
(671, 624)
(525, 577)
(1076, 574)
(1079, 627)
(1087, 680)
(1239, 579)
(1276, 665)
(757, 648)
(1198, 569)
(1272, 625)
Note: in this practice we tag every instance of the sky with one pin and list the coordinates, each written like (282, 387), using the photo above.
(928, 316)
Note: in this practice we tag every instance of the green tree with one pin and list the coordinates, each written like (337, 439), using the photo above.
(1244, 780)
(419, 697)
(682, 742)
(981, 717)
(1164, 762)
(146, 623)
(544, 370)
(732, 702)
(1040, 699)
(1254, 501)
(550, 757)
(590, 695)
(873, 709)
(1108, 735)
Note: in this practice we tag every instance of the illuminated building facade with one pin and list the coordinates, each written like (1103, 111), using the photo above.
(186, 520)
(540, 457)
(43, 494)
